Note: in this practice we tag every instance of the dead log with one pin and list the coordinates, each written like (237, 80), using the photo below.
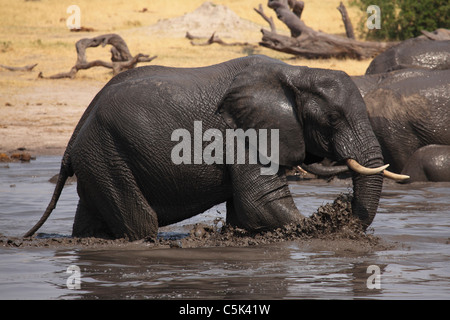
(24, 68)
(214, 39)
(312, 44)
(297, 7)
(289, 18)
(121, 58)
(119, 66)
(322, 45)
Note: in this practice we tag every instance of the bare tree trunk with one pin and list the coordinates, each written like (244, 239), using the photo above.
(297, 7)
(121, 58)
(269, 20)
(289, 18)
(347, 22)
(306, 42)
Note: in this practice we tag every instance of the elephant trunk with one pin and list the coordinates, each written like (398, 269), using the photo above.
(367, 192)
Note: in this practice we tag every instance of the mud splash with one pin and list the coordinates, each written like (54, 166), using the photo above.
(330, 222)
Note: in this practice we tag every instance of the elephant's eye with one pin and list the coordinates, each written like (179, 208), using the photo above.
(333, 118)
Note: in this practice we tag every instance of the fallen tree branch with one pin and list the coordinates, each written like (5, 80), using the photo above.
(311, 44)
(289, 18)
(121, 58)
(215, 39)
(120, 66)
(25, 68)
(322, 46)
(297, 7)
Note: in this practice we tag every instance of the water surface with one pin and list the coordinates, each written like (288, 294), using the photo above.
(414, 220)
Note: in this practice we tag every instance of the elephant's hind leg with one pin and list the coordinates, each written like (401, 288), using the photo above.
(112, 205)
(89, 223)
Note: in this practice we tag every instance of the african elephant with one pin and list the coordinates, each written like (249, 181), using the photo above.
(368, 83)
(409, 112)
(408, 109)
(429, 163)
(122, 149)
(413, 53)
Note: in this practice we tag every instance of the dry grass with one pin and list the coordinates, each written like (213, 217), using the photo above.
(41, 114)
(36, 32)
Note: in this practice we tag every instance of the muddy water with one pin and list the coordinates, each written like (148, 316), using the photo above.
(413, 262)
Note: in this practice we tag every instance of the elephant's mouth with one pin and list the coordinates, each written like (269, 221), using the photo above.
(358, 168)
(367, 184)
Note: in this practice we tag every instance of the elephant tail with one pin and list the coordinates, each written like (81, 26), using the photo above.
(63, 175)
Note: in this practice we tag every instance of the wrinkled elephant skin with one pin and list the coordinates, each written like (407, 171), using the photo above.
(121, 149)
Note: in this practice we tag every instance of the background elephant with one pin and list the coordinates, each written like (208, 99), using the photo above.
(408, 109)
(429, 163)
(121, 149)
(368, 83)
(419, 52)
(409, 112)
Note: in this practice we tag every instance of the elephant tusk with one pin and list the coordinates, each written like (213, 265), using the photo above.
(302, 171)
(395, 176)
(355, 166)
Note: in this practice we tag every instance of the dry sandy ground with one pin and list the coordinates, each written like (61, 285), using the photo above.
(41, 118)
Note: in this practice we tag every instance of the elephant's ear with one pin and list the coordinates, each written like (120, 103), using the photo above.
(260, 98)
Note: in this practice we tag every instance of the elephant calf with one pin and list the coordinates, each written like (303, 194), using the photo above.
(121, 150)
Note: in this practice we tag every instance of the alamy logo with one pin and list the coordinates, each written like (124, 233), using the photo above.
(74, 280)
(256, 140)
(374, 21)
(374, 280)
(74, 20)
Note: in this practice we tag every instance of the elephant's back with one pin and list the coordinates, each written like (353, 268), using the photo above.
(133, 122)
(218, 74)
(413, 53)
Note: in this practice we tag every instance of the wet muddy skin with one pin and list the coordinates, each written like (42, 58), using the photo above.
(408, 244)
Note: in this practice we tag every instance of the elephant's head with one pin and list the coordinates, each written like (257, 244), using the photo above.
(318, 112)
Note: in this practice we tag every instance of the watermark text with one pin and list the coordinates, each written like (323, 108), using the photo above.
(374, 20)
(74, 20)
(374, 280)
(74, 280)
(228, 152)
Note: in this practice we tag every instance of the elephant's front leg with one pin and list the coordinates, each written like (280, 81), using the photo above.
(260, 202)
